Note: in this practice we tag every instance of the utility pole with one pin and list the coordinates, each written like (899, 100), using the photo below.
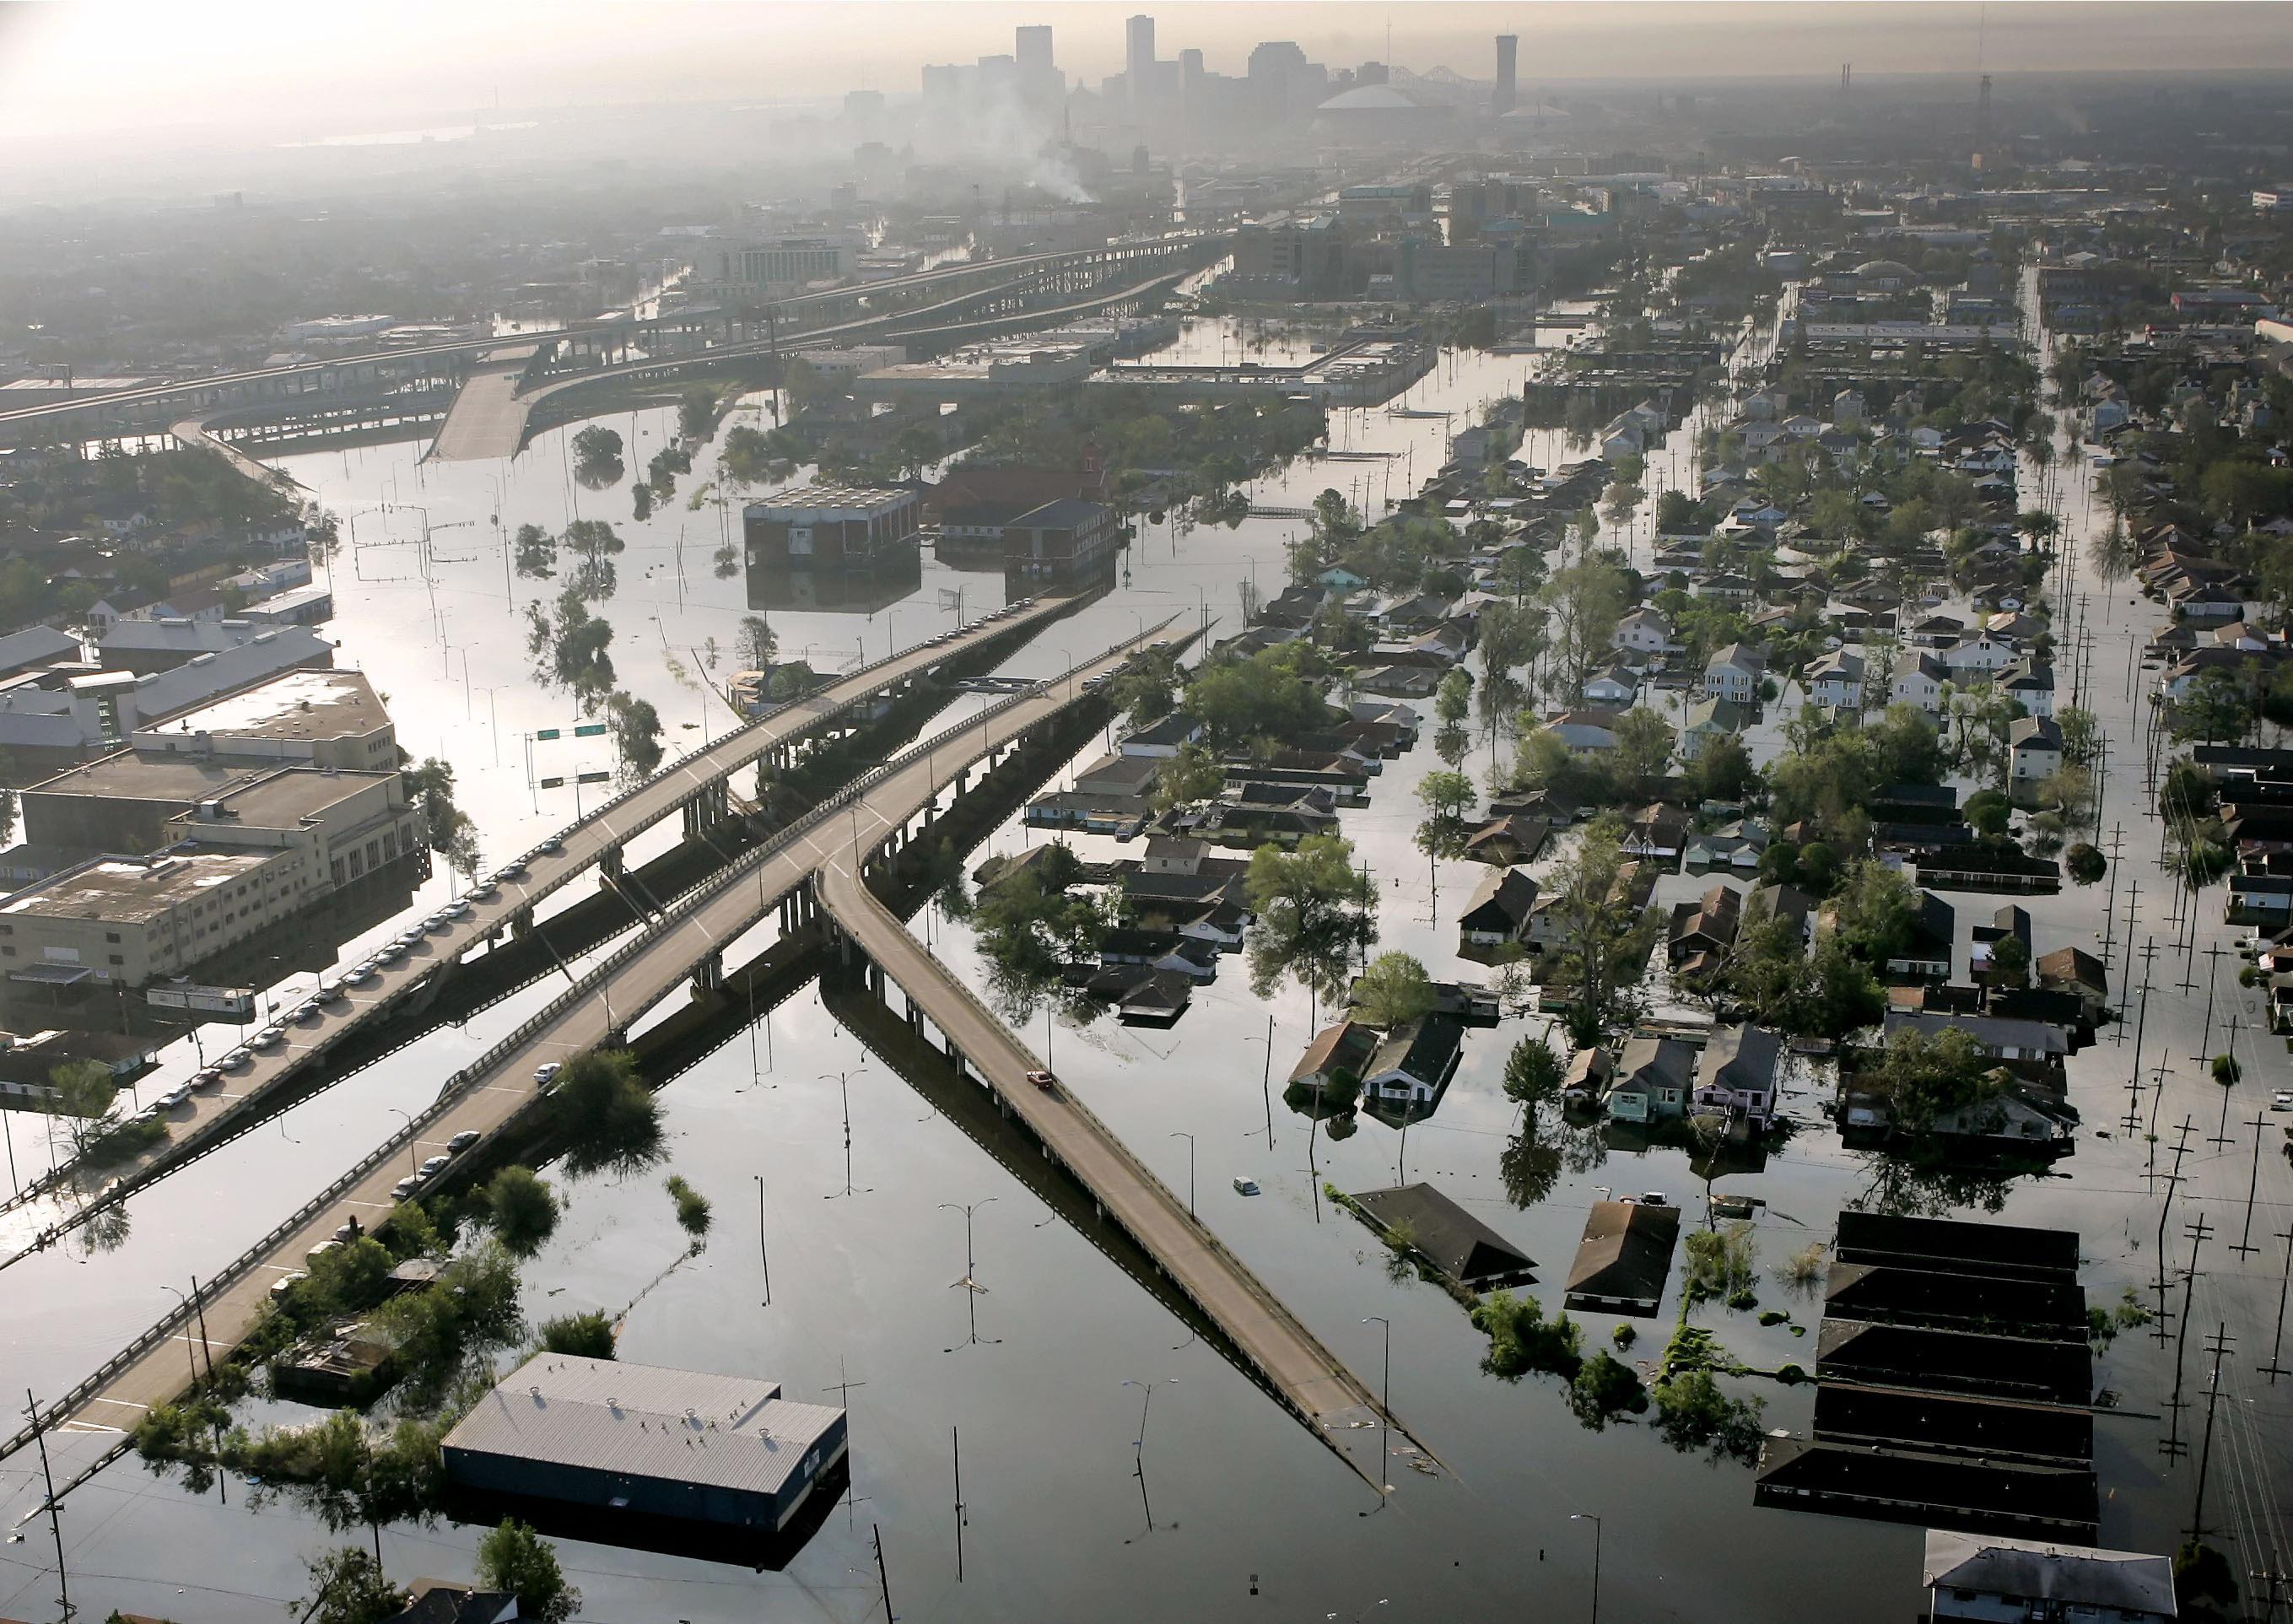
(2276, 1365)
(2133, 1124)
(2245, 1247)
(882, 1575)
(763, 1246)
(2213, 966)
(955, 1438)
(2206, 1448)
(2165, 1207)
(55, 1528)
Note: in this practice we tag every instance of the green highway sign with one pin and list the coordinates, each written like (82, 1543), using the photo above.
(546, 733)
(589, 730)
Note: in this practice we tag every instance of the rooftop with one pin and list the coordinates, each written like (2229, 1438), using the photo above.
(134, 891)
(291, 705)
(2076, 1576)
(825, 498)
(645, 1421)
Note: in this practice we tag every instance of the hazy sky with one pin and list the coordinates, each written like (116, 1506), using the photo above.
(315, 66)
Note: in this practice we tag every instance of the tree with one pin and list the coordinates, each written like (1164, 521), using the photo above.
(589, 1335)
(696, 411)
(1605, 1388)
(1393, 991)
(1192, 774)
(637, 733)
(1585, 600)
(1276, 692)
(1693, 1414)
(2085, 863)
(692, 1206)
(1643, 746)
(1602, 943)
(2217, 708)
(516, 1559)
(1922, 1076)
(1532, 1072)
(1314, 912)
(2081, 734)
(754, 645)
(347, 1586)
(1146, 689)
(83, 1101)
(1447, 797)
(1722, 770)
(595, 443)
(2010, 963)
(1874, 911)
(1452, 701)
(610, 1118)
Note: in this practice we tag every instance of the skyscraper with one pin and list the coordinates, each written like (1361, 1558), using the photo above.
(1138, 59)
(1033, 49)
(1501, 101)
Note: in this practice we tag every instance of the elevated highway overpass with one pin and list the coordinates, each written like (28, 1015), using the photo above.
(155, 408)
(696, 786)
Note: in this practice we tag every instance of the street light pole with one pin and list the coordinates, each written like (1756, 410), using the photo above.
(1385, 1420)
(1181, 1133)
(413, 1162)
(1586, 1516)
(763, 1246)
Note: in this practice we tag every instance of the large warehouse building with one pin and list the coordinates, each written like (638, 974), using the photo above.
(680, 1445)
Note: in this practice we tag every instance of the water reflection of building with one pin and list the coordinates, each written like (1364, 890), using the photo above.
(837, 591)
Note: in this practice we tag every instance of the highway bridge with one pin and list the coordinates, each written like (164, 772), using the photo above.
(92, 1424)
(155, 408)
(1287, 1358)
(696, 786)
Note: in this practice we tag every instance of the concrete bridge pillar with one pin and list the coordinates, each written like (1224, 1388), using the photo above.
(710, 974)
(521, 923)
(609, 861)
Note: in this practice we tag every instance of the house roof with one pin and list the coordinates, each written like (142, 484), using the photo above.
(2034, 733)
(606, 1414)
(1955, 1243)
(1626, 1251)
(1655, 1063)
(2072, 1575)
(1505, 894)
(2073, 965)
(1741, 1058)
(1465, 1248)
(1344, 1046)
(1421, 1049)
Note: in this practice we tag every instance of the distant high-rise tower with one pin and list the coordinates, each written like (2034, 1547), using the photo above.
(1032, 46)
(1501, 101)
(1138, 59)
(1983, 121)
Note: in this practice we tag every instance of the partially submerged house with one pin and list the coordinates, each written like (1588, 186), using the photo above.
(1458, 1244)
(1623, 1258)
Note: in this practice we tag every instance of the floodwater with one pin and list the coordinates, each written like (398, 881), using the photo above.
(1082, 1495)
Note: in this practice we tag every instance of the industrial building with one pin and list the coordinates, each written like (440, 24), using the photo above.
(827, 526)
(230, 852)
(679, 1445)
(308, 719)
(792, 262)
(1061, 537)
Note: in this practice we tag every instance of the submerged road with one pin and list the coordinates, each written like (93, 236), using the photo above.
(94, 1421)
(205, 1117)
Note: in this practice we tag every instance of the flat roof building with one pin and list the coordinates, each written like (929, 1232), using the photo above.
(677, 1444)
(831, 526)
(317, 718)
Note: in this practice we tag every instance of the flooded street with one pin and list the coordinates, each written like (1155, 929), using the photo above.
(1225, 1507)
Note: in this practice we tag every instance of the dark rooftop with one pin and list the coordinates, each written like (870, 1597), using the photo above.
(1465, 1248)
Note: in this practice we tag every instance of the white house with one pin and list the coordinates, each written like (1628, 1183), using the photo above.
(1736, 672)
(1918, 679)
(1612, 687)
(1837, 680)
(2035, 744)
(2032, 685)
(1644, 631)
(1977, 658)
